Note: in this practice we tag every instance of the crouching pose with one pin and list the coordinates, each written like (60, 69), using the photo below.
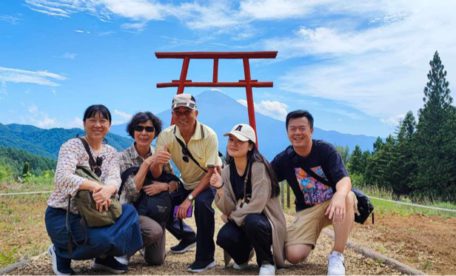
(322, 188)
(247, 194)
(72, 239)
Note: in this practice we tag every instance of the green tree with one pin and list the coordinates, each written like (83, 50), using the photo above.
(357, 163)
(435, 166)
(404, 166)
(344, 154)
(26, 169)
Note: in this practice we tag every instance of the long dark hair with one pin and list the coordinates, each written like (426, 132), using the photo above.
(255, 155)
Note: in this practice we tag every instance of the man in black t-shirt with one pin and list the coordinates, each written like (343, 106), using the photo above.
(316, 174)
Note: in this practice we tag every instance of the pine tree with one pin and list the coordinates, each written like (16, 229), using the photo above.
(356, 164)
(435, 170)
(405, 165)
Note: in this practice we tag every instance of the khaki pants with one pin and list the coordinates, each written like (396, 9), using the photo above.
(308, 224)
(154, 239)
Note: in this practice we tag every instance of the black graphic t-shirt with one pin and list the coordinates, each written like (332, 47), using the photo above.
(323, 160)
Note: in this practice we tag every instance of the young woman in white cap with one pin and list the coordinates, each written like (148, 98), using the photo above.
(247, 194)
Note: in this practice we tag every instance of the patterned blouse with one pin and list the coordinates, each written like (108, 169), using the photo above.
(129, 158)
(72, 153)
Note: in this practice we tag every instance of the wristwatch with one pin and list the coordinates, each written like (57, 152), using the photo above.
(190, 197)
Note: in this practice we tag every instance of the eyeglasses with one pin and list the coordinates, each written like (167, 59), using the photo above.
(147, 128)
(97, 166)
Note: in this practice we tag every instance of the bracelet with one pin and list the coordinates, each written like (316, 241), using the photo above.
(217, 188)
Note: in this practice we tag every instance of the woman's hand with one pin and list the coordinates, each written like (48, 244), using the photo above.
(216, 180)
(103, 193)
(155, 188)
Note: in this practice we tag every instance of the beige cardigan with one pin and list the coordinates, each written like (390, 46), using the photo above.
(260, 202)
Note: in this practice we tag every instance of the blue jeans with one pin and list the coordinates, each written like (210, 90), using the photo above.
(121, 238)
(205, 223)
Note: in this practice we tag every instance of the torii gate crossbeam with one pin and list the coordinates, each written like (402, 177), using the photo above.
(247, 82)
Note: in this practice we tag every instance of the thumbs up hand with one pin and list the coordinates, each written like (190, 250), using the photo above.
(162, 156)
(216, 180)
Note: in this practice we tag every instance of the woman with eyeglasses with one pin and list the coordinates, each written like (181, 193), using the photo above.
(247, 195)
(138, 184)
(71, 238)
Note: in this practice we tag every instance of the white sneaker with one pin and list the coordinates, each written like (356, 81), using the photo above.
(122, 259)
(267, 269)
(241, 266)
(336, 263)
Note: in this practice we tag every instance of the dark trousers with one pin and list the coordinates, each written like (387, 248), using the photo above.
(121, 238)
(238, 241)
(205, 224)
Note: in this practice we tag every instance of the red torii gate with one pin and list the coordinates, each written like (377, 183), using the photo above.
(248, 83)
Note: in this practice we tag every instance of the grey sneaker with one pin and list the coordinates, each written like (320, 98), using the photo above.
(60, 266)
(336, 263)
(199, 266)
(241, 266)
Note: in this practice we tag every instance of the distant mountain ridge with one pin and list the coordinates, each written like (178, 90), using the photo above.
(221, 112)
(47, 142)
(216, 110)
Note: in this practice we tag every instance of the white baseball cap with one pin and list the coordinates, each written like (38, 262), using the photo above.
(243, 132)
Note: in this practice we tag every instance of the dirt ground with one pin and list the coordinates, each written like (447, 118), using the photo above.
(177, 264)
(425, 243)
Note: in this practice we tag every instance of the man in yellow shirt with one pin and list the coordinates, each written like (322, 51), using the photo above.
(193, 147)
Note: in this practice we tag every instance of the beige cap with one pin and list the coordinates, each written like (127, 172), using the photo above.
(243, 132)
(185, 100)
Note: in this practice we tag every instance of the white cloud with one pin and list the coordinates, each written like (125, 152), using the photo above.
(76, 122)
(273, 109)
(32, 77)
(380, 70)
(39, 118)
(138, 26)
(13, 20)
(69, 56)
(122, 117)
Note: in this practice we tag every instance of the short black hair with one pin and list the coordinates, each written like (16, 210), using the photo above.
(142, 117)
(92, 110)
(298, 114)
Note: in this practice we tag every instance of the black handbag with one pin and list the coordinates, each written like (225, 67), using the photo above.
(157, 207)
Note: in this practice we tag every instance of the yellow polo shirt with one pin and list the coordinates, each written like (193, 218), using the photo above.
(204, 148)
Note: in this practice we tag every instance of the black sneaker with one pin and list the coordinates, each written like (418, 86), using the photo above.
(60, 266)
(200, 266)
(183, 246)
(109, 264)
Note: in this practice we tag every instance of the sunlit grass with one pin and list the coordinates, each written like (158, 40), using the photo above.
(22, 227)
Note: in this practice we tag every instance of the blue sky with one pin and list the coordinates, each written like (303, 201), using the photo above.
(358, 66)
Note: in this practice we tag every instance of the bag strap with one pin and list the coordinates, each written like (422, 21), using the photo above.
(124, 176)
(182, 144)
(89, 152)
(247, 185)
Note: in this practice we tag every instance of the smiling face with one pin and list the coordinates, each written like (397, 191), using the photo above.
(96, 127)
(185, 118)
(237, 148)
(144, 133)
(300, 133)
